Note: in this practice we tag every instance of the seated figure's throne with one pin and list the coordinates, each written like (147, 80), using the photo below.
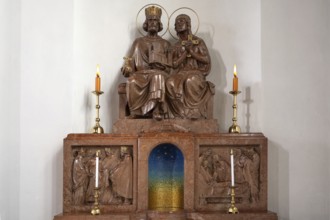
(123, 107)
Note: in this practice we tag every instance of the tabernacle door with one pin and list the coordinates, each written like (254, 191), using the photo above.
(166, 176)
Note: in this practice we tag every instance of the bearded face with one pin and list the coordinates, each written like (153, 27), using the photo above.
(152, 24)
(181, 24)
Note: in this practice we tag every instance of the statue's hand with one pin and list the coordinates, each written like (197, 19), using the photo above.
(126, 70)
(188, 46)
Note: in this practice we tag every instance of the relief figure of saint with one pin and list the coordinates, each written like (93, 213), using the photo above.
(250, 162)
(122, 178)
(79, 178)
(109, 163)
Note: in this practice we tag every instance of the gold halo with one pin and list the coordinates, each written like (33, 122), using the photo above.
(137, 15)
(169, 30)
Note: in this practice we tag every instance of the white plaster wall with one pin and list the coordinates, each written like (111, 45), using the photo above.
(295, 76)
(9, 111)
(46, 104)
(327, 101)
(280, 62)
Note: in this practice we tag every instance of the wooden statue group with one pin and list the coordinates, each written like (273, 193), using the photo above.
(164, 80)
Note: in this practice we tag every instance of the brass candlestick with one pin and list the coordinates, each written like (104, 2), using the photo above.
(235, 128)
(97, 129)
(96, 210)
(232, 209)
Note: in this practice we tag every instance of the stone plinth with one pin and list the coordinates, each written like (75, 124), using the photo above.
(139, 126)
(240, 216)
(172, 216)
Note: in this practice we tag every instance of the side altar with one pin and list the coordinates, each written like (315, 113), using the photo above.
(194, 184)
(180, 175)
(165, 157)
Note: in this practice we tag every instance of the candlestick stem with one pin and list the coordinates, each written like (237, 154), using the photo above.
(97, 129)
(96, 210)
(232, 209)
(235, 127)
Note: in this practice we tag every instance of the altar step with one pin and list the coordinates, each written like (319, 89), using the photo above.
(171, 215)
(151, 215)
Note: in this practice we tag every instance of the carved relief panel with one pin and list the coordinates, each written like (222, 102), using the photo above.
(213, 173)
(214, 176)
(116, 176)
(129, 168)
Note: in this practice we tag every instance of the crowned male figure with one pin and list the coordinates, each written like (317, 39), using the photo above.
(147, 69)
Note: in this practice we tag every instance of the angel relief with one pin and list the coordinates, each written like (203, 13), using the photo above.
(115, 176)
(214, 175)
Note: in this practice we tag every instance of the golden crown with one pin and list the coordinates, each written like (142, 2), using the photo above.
(153, 11)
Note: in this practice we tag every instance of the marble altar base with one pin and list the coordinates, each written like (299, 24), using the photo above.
(194, 147)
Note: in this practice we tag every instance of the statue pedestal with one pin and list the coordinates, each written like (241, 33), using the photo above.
(140, 126)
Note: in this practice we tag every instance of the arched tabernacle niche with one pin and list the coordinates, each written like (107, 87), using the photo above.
(166, 173)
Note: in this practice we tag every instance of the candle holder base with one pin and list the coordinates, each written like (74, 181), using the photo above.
(234, 129)
(232, 209)
(97, 129)
(96, 210)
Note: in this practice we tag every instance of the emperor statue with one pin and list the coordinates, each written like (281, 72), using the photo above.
(147, 68)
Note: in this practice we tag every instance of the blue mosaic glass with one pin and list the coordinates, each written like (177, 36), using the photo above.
(166, 173)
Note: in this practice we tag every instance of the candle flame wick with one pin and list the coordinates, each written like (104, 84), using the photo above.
(235, 72)
(98, 70)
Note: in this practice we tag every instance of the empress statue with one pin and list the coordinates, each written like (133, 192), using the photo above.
(187, 90)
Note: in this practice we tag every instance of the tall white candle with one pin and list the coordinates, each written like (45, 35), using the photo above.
(232, 167)
(97, 170)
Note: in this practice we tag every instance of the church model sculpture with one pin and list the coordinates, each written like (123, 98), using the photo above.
(165, 157)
